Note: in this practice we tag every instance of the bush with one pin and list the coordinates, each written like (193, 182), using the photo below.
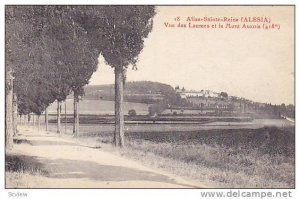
(157, 109)
(131, 113)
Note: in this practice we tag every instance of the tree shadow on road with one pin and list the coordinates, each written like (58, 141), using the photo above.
(24, 164)
(43, 142)
(65, 168)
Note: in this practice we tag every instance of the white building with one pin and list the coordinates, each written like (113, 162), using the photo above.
(191, 93)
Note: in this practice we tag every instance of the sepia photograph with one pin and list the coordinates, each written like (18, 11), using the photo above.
(149, 96)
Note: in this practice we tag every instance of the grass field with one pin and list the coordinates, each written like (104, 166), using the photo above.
(247, 155)
(243, 158)
(21, 170)
(99, 107)
(94, 129)
(231, 158)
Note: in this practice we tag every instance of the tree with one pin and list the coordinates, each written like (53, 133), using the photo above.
(52, 50)
(14, 45)
(157, 109)
(9, 110)
(33, 55)
(224, 94)
(77, 53)
(118, 32)
(125, 29)
(15, 114)
(131, 113)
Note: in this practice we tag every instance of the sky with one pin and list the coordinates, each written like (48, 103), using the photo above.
(255, 64)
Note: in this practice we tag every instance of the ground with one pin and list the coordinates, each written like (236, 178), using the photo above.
(41, 160)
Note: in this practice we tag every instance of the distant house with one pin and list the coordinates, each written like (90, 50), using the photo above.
(191, 93)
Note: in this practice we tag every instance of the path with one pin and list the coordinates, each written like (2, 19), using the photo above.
(64, 164)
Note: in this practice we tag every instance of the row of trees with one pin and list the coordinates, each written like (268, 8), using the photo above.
(52, 51)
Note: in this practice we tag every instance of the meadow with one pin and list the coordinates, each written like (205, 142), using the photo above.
(248, 155)
(233, 154)
(239, 158)
(88, 106)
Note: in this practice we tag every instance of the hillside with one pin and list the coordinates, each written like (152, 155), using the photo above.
(148, 92)
(141, 91)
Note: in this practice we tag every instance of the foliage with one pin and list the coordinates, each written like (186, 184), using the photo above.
(131, 113)
(139, 91)
(49, 55)
(78, 55)
(224, 94)
(157, 109)
(117, 31)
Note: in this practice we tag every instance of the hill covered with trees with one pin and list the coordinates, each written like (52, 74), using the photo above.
(140, 91)
(164, 96)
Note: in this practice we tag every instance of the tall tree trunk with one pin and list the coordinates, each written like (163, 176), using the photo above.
(119, 112)
(58, 117)
(75, 114)
(28, 119)
(65, 116)
(15, 118)
(33, 119)
(38, 123)
(46, 118)
(9, 111)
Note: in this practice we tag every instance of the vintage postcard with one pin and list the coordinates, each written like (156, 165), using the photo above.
(140, 96)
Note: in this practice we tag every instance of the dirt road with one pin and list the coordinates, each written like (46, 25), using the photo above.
(62, 163)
